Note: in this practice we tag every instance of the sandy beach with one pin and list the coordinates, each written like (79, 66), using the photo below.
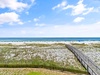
(51, 42)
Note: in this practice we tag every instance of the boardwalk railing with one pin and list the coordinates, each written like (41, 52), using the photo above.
(85, 61)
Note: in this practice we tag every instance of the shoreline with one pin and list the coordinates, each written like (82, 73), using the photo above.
(48, 42)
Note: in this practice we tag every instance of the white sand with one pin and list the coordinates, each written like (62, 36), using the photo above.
(51, 42)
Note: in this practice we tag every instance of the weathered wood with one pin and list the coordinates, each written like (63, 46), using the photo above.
(91, 67)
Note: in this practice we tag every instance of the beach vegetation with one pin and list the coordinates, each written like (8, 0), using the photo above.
(50, 56)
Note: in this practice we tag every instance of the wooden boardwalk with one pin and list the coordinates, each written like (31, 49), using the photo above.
(91, 67)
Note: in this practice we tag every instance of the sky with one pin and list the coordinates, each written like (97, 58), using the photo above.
(49, 18)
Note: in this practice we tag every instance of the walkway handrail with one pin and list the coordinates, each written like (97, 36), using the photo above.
(91, 67)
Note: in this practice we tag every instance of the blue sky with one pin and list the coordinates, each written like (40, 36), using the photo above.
(49, 18)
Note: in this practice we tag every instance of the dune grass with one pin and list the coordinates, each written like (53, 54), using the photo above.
(22, 56)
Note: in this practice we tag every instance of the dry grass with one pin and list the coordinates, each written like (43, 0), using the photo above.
(51, 56)
(29, 71)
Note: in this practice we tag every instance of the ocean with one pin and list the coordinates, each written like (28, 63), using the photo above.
(48, 39)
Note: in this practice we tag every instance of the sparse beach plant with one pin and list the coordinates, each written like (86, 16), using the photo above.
(49, 56)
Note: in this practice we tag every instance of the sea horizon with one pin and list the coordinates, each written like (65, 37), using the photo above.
(30, 39)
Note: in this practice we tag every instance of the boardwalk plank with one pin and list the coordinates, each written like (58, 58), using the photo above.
(91, 67)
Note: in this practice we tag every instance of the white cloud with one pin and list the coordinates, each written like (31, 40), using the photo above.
(78, 19)
(81, 8)
(32, 3)
(67, 7)
(13, 5)
(41, 32)
(36, 19)
(78, 9)
(23, 32)
(61, 5)
(72, 31)
(21, 23)
(97, 10)
(98, 23)
(27, 13)
(89, 10)
(40, 24)
(9, 17)
(92, 30)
